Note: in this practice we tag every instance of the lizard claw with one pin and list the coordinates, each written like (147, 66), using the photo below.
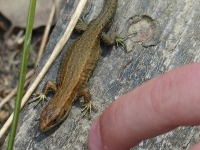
(120, 41)
(88, 108)
(81, 25)
(40, 97)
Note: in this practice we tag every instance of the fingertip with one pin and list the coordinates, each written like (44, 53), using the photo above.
(195, 147)
(94, 139)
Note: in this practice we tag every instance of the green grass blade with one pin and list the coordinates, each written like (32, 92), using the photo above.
(23, 68)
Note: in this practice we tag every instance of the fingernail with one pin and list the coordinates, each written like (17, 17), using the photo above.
(94, 139)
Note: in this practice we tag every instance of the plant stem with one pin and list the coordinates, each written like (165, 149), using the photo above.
(24, 62)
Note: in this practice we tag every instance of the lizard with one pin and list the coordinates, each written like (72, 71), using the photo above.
(77, 65)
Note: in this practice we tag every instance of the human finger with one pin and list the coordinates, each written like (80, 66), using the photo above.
(159, 105)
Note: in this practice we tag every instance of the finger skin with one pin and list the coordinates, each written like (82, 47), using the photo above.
(195, 147)
(157, 106)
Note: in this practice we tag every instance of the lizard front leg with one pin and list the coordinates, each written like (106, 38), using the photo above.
(88, 104)
(40, 97)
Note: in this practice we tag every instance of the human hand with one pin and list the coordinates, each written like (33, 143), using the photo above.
(157, 106)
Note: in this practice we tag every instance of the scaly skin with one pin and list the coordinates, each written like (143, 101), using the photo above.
(76, 67)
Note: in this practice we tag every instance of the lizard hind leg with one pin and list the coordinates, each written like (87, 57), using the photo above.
(82, 23)
(87, 107)
(111, 39)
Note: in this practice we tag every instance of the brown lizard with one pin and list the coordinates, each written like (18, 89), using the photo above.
(76, 68)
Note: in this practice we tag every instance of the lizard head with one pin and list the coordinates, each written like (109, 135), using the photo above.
(51, 116)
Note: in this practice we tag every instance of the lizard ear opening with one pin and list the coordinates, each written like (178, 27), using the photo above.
(62, 115)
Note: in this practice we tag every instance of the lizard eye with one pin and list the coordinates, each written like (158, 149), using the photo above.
(54, 121)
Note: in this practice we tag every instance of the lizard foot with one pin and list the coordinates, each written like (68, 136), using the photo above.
(40, 97)
(88, 108)
(81, 25)
(120, 41)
